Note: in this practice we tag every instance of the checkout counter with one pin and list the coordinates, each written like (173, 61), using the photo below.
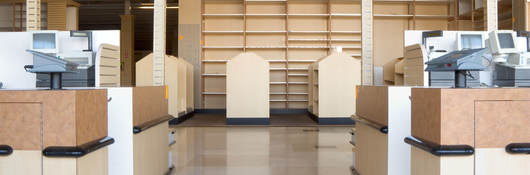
(138, 119)
(465, 131)
(382, 120)
(53, 132)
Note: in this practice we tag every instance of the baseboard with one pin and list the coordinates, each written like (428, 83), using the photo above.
(287, 111)
(182, 118)
(210, 111)
(335, 121)
(313, 116)
(247, 121)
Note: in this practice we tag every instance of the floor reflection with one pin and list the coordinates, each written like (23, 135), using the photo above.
(262, 150)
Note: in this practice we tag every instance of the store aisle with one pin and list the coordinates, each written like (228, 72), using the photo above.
(262, 150)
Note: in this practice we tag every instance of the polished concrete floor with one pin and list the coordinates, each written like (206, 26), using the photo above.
(258, 150)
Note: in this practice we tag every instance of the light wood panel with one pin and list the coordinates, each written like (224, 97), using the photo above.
(424, 163)
(247, 87)
(491, 161)
(151, 151)
(22, 162)
(95, 163)
(108, 70)
(372, 151)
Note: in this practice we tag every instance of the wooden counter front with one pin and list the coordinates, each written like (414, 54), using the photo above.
(149, 103)
(68, 117)
(481, 118)
(372, 103)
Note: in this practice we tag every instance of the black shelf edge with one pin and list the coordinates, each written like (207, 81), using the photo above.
(518, 148)
(149, 124)
(441, 150)
(79, 151)
(5, 150)
(382, 128)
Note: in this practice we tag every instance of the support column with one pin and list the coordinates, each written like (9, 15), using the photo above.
(491, 21)
(33, 15)
(127, 51)
(159, 41)
(367, 41)
(189, 41)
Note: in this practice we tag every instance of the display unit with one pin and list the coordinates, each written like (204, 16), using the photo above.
(45, 41)
(503, 42)
(247, 90)
(176, 70)
(332, 88)
(470, 40)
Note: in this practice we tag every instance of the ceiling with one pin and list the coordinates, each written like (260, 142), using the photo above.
(105, 15)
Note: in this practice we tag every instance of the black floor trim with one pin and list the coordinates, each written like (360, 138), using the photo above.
(440, 150)
(247, 121)
(181, 119)
(149, 124)
(287, 111)
(210, 111)
(79, 151)
(335, 121)
(5, 150)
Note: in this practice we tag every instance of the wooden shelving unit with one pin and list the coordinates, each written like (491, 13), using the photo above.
(331, 85)
(401, 15)
(290, 34)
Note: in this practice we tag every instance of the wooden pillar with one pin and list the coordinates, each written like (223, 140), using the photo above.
(159, 41)
(33, 15)
(189, 41)
(367, 41)
(490, 15)
(127, 50)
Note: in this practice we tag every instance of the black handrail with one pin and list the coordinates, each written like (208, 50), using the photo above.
(149, 124)
(5, 150)
(440, 150)
(518, 148)
(77, 151)
(383, 129)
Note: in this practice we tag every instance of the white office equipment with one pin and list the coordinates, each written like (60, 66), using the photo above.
(45, 42)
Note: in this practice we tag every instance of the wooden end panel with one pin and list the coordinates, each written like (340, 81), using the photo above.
(457, 116)
(149, 103)
(426, 113)
(372, 103)
(91, 115)
(20, 125)
(499, 123)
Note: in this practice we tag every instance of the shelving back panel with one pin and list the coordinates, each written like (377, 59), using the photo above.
(291, 34)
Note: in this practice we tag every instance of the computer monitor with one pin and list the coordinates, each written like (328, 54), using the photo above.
(503, 42)
(45, 42)
(470, 40)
